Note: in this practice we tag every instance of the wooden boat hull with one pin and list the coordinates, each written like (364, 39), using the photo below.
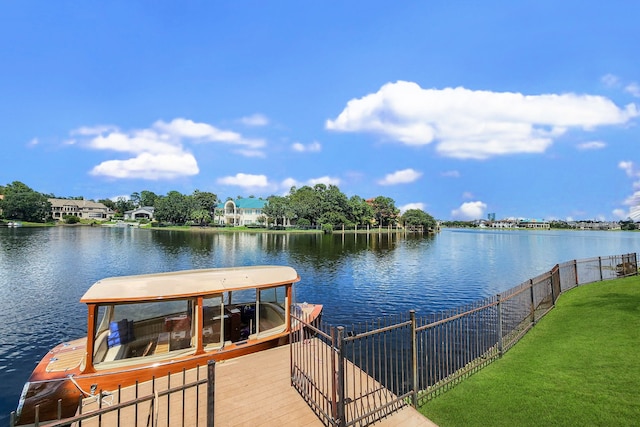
(45, 390)
(146, 326)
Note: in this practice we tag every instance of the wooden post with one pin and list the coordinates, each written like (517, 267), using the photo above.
(555, 278)
(533, 302)
(211, 391)
(340, 377)
(414, 359)
(500, 346)
(600, 267)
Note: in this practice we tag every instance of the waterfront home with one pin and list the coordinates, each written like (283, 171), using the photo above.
(85, 209)
(240, 212)
(143, 212)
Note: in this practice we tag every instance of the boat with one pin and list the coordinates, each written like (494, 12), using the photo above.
(145, 326)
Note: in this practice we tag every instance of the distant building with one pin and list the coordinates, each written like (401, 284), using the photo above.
(240, 212)
(505, 223)
(534, 223)
(85, 209)
(521, 223)
(143, 212)
(595, 225)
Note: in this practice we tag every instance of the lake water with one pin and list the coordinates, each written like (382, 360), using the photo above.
(45, 271)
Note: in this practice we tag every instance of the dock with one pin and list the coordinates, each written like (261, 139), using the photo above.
(253, 391)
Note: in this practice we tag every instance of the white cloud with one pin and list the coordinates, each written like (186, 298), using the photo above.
(301, 148)
(93, 130)
(290, 182)
(404, 176)
(408, 206)
(591, 145)
(326, 180)
(149, 166)
(610, 80)
(158, 152)
(632, 201)
(470, 211)
(245, 180)
(633, 88)
(251, 153)
(185, 128)
(467, 195)
(628, 167)
(33, 142)
(620, 213)
(451, 174)
(255, 120)
(475, 124)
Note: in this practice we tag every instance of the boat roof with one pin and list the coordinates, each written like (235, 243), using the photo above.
(187, 283)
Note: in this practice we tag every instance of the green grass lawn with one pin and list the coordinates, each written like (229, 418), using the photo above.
(579, 366)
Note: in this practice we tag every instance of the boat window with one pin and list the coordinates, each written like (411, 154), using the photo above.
(271, 316)
(129, 331)
(212, 321)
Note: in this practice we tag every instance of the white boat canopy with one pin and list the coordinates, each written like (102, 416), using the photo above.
(187, 283)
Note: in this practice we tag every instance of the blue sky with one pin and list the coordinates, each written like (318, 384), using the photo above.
(460, 108)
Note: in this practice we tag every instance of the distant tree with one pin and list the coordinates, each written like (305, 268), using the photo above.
(201, 216)
(148, 198)
(108, 203)
(22, 203)
(360, 212)
(414, 218)
(205, 200)
(384, 210)
(276, 209)
(304, 203)
(135, 199)
(559, 224)
(174, 207)
(123, 204)
(628, 225)
(334, 206)
(70, 219)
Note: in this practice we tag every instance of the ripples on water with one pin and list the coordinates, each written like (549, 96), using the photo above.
(44, 272)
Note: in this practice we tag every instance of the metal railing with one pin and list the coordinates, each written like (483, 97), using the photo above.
(358, 374)
(173, 400)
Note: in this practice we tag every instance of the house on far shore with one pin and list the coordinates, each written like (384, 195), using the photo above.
(143, 212)
(240, 212)
(85, 209)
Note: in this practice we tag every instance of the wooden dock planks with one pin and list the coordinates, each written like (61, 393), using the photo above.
(253, 391)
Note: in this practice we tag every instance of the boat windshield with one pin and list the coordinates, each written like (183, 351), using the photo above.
(128, 331)
(159, 329)
(240, 315)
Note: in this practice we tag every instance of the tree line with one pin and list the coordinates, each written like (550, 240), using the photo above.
(307, 206)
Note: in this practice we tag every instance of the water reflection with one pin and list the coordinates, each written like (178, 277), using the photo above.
(44, 272)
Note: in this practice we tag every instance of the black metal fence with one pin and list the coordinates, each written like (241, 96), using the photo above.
(357, 374)
(173, 400)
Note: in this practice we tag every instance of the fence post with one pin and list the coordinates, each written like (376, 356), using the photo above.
(575, 267)
(211, 392)
(600, 267)
(340, 377)
(533, 303)
(554, 274)
(635, 263)
(414, 359)
(500, 347)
